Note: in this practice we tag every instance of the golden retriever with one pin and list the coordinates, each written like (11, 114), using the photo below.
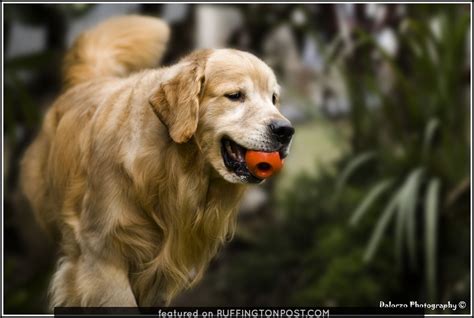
(140, 169)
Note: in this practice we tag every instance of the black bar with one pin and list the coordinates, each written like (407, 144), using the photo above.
(228, 312)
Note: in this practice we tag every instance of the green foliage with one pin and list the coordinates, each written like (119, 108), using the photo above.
(370, 199)
(431, 219)
(310, 256)
(351, 167)
(424, 146)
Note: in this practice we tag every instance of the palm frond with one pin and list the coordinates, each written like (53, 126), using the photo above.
(351, 167)
(408, 200)
(431, 224)
(369, 199)
(380, 227)
(430, 130)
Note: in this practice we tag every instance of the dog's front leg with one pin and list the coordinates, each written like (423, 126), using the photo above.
(89, 281)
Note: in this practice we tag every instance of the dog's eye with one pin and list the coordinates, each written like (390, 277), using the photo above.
(237, 96)
(274, 99)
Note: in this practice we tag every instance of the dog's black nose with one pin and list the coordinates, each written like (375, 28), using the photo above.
(282, 130)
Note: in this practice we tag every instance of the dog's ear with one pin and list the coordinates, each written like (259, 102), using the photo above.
(176, 102)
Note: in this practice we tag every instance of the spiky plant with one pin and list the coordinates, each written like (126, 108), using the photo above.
(413, 146)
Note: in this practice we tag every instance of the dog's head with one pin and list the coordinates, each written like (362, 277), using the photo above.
(228, 100)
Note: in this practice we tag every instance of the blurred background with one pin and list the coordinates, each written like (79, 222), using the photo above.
(374, 202)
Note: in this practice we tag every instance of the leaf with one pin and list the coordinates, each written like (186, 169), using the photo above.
(351, 168)
(408, 199)
(431, 225)
(380, 228)
(431, 127)
(369, 199)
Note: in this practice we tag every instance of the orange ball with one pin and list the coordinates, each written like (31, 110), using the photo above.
(263, 164)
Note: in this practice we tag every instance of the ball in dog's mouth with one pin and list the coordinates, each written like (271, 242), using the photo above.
(263, 164)
(253, 166)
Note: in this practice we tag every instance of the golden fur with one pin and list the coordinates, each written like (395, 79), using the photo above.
(127, 167)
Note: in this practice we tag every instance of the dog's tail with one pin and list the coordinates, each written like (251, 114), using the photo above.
(116, 47)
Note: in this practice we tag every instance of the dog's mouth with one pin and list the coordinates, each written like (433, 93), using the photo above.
(234, 160)
(233, 155)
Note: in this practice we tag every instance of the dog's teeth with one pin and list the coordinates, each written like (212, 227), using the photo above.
(228, 148)
(235, 150)
(242, 152)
